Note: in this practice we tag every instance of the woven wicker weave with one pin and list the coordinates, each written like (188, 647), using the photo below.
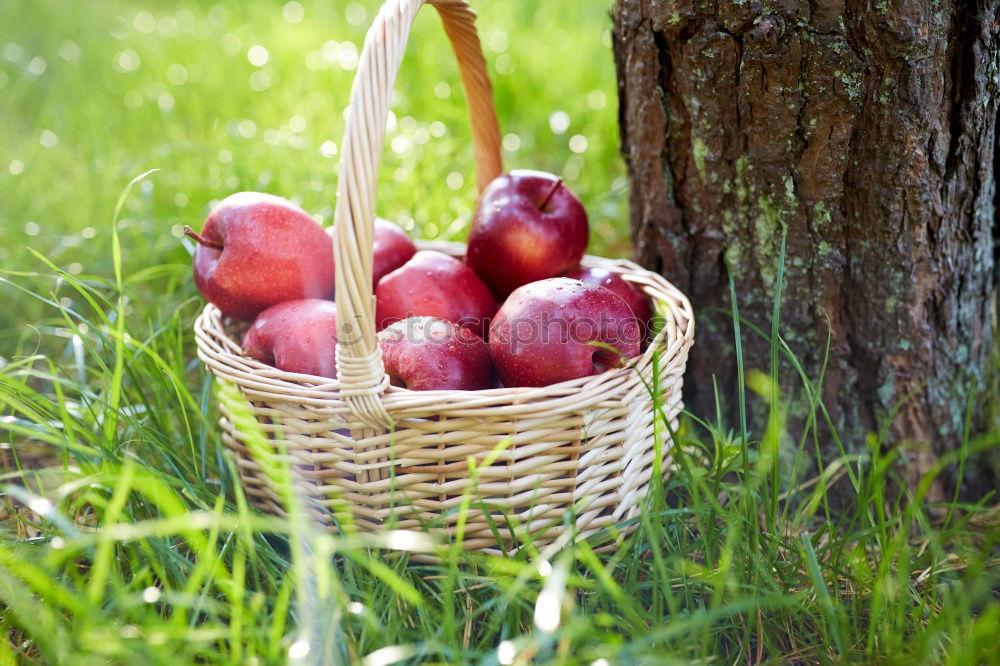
(400, 456)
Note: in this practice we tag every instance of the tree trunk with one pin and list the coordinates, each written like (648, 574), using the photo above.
(865, 131)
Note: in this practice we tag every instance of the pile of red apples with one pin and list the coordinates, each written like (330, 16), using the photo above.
(519, 310)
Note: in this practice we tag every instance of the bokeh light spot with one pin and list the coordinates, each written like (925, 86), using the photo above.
(293, 12)
(505, 64)
(218, 15)
(578, 143)
(144, 22)
(13, 52)
(69, 51)
(130, 631)
(48, 139)
(315, 61)
(247, 128)
(177, 74)
(506, 653)
(231, 43)
(258, 55)
(331, 49)
(127, 61)
(260, 80)
(596, 99)
(167, 27)
(559, 122)
(497, 41)
(347, 55)
(165, 101)
(298, 650)
(511, 142)
(355, 14)
(400, 145)
(37, 66)
(186, 21)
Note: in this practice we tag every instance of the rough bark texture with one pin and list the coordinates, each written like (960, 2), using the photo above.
(865, 130)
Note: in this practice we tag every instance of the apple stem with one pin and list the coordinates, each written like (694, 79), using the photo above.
(188, 231)
(548, 196)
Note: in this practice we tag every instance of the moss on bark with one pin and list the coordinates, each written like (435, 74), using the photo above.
(869, 137)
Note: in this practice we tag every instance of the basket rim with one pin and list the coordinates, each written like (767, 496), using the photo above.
(217, 348)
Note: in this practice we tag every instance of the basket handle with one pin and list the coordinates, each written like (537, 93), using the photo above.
(359, 360)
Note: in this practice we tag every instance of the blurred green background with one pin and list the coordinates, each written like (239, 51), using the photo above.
(226, 96)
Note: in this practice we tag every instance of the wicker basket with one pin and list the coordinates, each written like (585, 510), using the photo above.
(583, 447)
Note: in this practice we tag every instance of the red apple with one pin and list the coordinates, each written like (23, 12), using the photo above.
(527, 226)
(636, 300)
(434, 284)
(545, 332)
(392, 248)
(428, 354)
(296, 336)
(257, 250)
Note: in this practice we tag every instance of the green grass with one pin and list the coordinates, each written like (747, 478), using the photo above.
(126, 538)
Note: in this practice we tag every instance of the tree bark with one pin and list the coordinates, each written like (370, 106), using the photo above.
(865, 131)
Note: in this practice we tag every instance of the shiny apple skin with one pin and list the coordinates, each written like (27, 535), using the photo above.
(514, 241)
(543, 333)
(430, 354)
(393, 248)
(296, 336)
(636, 300)
(433, 284)
(272, 252)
